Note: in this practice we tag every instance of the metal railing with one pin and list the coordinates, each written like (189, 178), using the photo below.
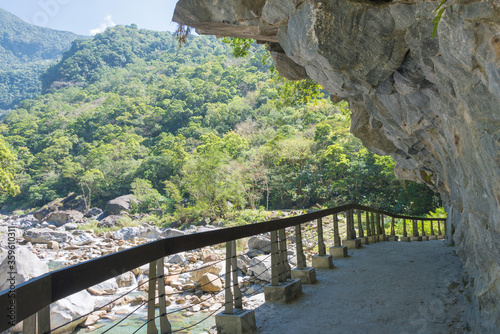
(33, 298)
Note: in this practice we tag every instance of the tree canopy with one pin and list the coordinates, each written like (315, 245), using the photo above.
(191, 130)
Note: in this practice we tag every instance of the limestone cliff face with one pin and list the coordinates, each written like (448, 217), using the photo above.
(432, 104)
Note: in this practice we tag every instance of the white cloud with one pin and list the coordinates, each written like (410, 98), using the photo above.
(108, 22)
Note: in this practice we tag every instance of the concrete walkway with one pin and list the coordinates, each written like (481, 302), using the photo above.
(387, 287)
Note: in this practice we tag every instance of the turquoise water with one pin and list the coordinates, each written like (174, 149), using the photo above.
(136, 320)
(132, 323)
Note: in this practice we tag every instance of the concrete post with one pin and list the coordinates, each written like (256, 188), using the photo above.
(360, 225)
(405, 233)
(306, 275)
(353, 229)
(151, 327)
(285, 267)
(351, 241)
(337, 250)
(275, 275)
(424, 237)
(415, 236)
(321, 243)
(322, 260)
(165, 326)
(234, 320)
(228, 308)
(336, 236)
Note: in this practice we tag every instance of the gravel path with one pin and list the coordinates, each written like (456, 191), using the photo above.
(387, 287)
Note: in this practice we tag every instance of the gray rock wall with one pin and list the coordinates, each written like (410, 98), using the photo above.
(431, 103)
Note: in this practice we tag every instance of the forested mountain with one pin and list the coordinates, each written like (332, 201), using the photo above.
(26, 51)
(191, 131)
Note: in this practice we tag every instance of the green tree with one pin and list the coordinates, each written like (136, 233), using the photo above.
(91, 183)
(7, 171)
(147, 197)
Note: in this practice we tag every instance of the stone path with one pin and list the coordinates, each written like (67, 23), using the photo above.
(387, 287)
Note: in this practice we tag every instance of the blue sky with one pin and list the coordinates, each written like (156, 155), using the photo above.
(86, 17)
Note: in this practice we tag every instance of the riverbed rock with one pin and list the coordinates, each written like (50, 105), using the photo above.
(243, 261)
(59, 218)
(82, 239)
(119, 205)
(259, 243)
(25, 222)
(172, 232)
(126, 233)
(210, 283)
(126, 279)
(176, 259)
(108, 287)
(260, 267)
(93, 212)
(44, 235)
(27, 266)
(70, 308)
(109, 221)
(70, 202)
(212, 268)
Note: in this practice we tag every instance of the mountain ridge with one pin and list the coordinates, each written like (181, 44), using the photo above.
(26, 51)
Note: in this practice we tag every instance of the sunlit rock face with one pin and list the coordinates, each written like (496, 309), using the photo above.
(431, 103)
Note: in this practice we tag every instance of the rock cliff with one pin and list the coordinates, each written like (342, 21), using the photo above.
(431, 103)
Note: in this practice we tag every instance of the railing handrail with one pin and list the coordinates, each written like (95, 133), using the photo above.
(34, 295)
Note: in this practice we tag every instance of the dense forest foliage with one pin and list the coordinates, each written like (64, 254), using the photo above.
(26, 51)
(191, 131)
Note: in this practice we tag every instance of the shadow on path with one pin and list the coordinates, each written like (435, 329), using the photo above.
(387, 287)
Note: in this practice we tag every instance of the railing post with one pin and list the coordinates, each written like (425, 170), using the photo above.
(432, 227)
(393, 236)
(275, 275)
(374, 231)
(424, 236)
(362, 237)
(415, 236)
(336, 236)
(44, 320)
(288, 289)
(439, 227)
(405, 232)
(301, 258)
(347, 225)
(368, 227)
(382, 227)
(337, 250)
(322, 260)
(151, 328)
(234, 319)
(228, 294)
(286, 269)
(351, 241)
(29, 325)
(321, 242)
(360, 225)
(393, 230)
(306, 275)
(165, 326)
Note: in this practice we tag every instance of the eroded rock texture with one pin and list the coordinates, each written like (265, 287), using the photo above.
(432, 104)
